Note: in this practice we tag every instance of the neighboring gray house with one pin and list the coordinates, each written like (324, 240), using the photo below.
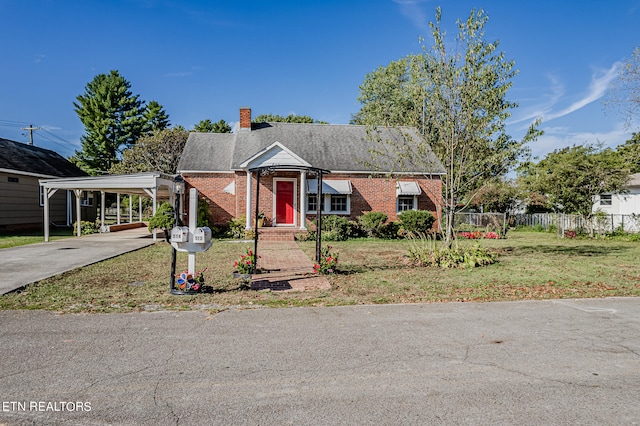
(21, 199)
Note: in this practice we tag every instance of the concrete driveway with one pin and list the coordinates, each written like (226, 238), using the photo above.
(527, 363)
(23, 265)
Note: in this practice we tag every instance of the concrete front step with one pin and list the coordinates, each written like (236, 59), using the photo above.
(279, 234)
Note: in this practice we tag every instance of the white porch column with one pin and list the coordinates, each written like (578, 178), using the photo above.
(102, 201)
(303, 200)
(46, 214)
(69, 209)
(155, 207)
(48, 193)
(130, 208)
(78, 193)
(248, 209)
(118, 208)
(139, 208)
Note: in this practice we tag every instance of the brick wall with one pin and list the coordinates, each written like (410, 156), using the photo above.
(369, 194)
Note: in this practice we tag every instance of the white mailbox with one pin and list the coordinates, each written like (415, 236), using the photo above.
(179, 234)
(202, 235)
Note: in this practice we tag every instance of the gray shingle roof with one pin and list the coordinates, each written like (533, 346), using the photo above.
(326, 146)
(32, 159)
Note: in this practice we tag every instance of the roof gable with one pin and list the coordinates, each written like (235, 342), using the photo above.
(275, 154)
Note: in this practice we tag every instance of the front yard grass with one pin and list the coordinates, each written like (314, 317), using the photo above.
(30, 237)
(531, 266)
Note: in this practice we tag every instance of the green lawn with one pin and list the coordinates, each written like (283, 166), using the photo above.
(31, 237)
(531, 266)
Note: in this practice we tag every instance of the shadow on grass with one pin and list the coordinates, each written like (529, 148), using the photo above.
(359, 269)
(581, 250)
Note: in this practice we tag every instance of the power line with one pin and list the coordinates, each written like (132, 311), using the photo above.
(31, 129)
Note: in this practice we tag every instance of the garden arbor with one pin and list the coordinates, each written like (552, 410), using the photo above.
(304, 171)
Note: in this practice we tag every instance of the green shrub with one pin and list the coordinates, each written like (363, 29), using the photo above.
(163, 219)
(204, 212)
(417, 221)
(236, 228)
(425, 251)
(86, 227)
(372, 223)
(337, 228)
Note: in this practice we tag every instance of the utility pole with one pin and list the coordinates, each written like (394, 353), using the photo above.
(31, 129)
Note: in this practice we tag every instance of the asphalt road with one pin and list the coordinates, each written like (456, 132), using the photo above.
(528, 363)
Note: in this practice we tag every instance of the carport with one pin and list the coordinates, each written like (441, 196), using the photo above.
(158, 186)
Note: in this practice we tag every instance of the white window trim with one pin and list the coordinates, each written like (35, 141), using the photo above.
(415, 202)
(608, 201)
(327, 205)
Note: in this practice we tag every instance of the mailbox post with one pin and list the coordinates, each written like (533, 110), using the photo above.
(190, 239)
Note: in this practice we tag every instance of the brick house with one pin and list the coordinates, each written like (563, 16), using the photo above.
(224, 169)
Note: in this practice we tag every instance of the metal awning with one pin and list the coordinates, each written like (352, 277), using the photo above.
(329, 186)
(408, 188)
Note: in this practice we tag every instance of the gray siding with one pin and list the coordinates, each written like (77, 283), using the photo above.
(20, 202)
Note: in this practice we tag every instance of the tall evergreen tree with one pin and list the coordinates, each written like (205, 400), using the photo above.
(207, 126)
(291, 118)
(155, 117)
(113, 120)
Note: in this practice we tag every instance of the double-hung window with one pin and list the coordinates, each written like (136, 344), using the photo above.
(336, 196)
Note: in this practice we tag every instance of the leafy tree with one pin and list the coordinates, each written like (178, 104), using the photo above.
(113, 120)
(387, 97)
(291, 118)
(155, 117)
(206, 126)
(456, 94)
(630, 153)
(498, 196)
(569, 178)
(624, 92)
(157, 152)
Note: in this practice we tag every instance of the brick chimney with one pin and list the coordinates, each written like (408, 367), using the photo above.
(245, 118)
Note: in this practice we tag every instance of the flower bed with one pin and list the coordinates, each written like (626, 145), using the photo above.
(477, 235)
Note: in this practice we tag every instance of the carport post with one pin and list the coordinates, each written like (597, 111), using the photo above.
(46, 215)
(78, 193)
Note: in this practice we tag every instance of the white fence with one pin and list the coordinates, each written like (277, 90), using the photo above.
(596, 224)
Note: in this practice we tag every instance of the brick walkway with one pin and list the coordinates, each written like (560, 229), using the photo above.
(286, 268)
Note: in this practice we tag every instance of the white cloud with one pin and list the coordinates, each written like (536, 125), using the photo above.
(412, 10)
(561, 137)
(599, 83)
(542, 105)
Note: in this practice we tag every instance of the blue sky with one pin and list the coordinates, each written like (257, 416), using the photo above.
(206, 59)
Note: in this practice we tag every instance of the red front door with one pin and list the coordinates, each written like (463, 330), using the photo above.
(285, 213)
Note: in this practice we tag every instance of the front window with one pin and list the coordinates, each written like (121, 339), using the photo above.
(87, 199)
(406, 202)
(605, 200)
(312, 203)
(330, 203)
(339, 203)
